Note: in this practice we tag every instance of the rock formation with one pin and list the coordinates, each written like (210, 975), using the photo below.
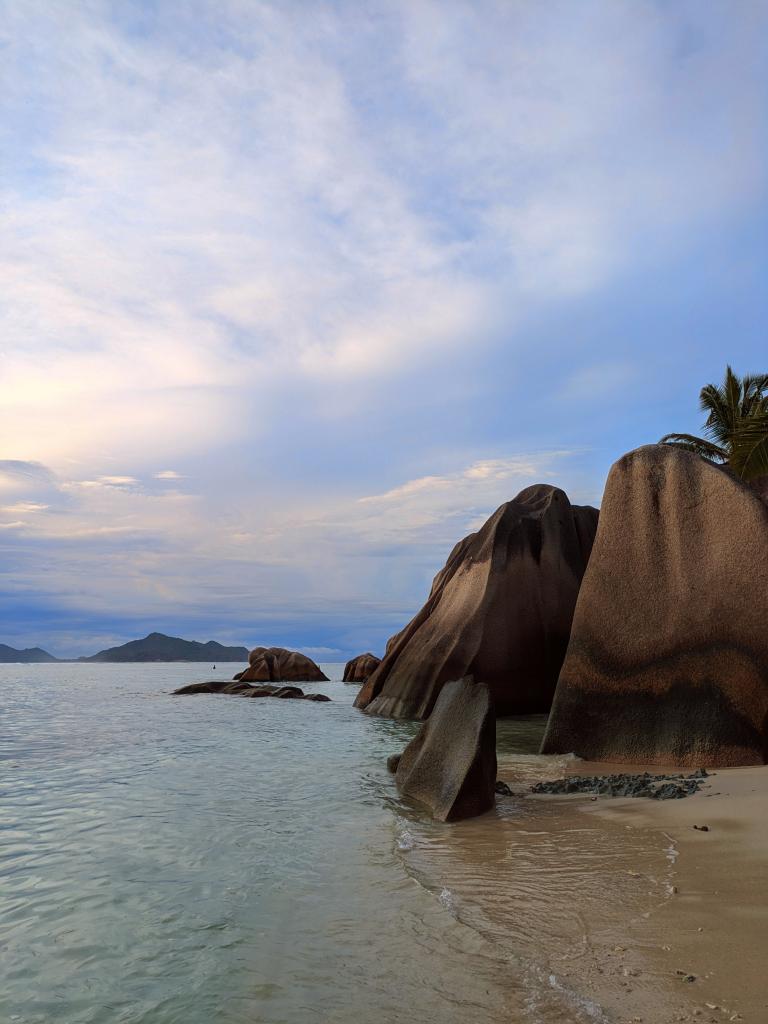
(277, 665)
(450, 766)
(360, 668)
(237, 688)
(500, 610)
(760, 487)
(668, 658)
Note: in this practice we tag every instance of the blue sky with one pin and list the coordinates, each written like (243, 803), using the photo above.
(294, 294)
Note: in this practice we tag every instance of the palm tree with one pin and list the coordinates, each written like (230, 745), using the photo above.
(736, 428)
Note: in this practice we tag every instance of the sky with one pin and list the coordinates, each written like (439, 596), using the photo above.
(294, 294)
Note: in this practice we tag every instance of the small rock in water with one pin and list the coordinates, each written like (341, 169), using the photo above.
(502, 788)
(701, 828)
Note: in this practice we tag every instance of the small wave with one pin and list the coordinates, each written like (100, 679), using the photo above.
(448, 900)
(405, 841)
(582, 1004)
(671, 851)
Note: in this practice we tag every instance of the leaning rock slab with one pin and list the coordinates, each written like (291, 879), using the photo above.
(360, 668)
(668, 658)
(500, 610)
(278, 665)
(450, 766)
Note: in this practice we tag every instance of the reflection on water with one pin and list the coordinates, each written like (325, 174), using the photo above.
(546, 884)
(207, 859)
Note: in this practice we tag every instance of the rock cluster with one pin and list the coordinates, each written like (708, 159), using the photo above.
(500, 610)
(656, 787)
(237, 688)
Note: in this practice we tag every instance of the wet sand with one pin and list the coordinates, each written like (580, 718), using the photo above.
(714, 927)
(611, 910)
(698, 953)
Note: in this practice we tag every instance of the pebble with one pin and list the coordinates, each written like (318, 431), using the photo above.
(701, 828)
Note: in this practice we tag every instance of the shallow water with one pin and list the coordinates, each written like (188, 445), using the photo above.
(208, 859)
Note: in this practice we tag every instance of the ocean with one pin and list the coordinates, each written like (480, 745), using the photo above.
(210, 860)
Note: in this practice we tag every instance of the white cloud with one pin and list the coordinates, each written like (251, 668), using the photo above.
(444, 504)
(204, 219)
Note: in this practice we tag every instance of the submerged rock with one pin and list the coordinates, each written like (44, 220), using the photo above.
(500, 610)
(241, 689)
(360, 668)
(668, 657)
(450, 766)
(278, 665)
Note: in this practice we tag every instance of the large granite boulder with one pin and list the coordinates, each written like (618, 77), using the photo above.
(760, 487)
(500, 610)
(668, 658)
(360, 668)
(450, 766)
(277, 665)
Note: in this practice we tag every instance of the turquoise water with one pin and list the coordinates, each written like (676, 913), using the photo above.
(208, 859)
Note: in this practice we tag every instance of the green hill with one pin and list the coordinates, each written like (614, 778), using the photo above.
(158, 647)
(29, 656)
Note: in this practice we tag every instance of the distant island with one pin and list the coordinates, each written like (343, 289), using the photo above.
(159, 647)
(29, 656)
(155, 647)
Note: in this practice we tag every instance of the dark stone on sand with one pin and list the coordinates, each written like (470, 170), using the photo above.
(360, 668)
(278, 665)
(241, 689)
(392, 762)
(450, 765)
(654, 787)
(668, 657)
(499, 610)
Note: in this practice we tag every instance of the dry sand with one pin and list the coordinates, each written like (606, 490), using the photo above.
(701, 954)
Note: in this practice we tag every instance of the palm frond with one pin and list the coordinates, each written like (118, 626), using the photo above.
(721, 419)
(698, 445)
(754, 398)
(749, 456)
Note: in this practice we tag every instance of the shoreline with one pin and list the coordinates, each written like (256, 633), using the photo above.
(698, 953)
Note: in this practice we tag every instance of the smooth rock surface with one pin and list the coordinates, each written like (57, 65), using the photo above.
(277, 665)
(450, 765)
(360, 668)
(668, 658)
(500, 610)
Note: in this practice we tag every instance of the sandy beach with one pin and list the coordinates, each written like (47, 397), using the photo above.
(699, 952)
